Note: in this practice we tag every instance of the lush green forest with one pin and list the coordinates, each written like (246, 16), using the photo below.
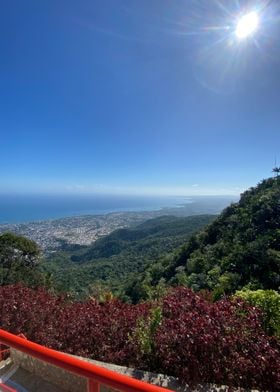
(114, 260)
(241, 248)
(238, 249)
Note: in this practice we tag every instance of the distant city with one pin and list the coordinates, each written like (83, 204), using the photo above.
(52, 235)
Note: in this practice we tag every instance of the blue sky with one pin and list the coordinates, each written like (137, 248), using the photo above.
(150, 96)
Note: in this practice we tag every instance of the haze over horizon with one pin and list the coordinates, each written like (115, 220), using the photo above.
(143, 98)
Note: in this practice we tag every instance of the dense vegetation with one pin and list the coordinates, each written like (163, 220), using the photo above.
(241, 248)
(182, 335)
(115, 259)
(19, 261)
(269, 303)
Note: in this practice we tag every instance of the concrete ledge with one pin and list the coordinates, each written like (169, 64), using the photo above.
(70, 382)
(65, 380)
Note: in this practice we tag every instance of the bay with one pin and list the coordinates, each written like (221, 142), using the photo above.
(29, 208)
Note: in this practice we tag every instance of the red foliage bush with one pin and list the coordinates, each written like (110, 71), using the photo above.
(222, 343)
(88, 329)
(195, 341)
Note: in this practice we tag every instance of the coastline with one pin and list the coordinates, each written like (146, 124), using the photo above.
(53, 234)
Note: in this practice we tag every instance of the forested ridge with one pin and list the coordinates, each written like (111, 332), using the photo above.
(240, 249)
(114, 260)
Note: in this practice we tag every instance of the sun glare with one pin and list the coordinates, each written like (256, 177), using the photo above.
(247, 25)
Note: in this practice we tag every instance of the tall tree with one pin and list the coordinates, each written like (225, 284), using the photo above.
(18, 257)
(276, 170)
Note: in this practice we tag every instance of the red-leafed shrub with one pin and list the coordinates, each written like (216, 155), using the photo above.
(186, 336)
(99, 331)
(88, 329)
(221, 342)
(32, 312)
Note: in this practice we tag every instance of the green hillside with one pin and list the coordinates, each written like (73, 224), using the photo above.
(116, 258)
(240, 248)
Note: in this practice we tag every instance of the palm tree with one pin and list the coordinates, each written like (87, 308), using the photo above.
(276, 170)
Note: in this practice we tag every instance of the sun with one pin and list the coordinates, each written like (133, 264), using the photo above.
(247, 25)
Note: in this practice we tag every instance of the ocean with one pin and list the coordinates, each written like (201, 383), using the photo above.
(30, 208)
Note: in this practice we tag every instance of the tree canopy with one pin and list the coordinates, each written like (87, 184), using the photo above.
(241, 248)
(19, 259)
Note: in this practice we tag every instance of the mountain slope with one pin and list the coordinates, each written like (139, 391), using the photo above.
(122, 254)
(240, 248)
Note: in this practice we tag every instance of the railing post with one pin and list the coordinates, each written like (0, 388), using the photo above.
(93, 386)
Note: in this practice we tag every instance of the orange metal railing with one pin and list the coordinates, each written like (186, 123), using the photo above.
(96, 375)
(6, 388)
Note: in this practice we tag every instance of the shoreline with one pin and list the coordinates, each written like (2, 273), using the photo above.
(55, 234)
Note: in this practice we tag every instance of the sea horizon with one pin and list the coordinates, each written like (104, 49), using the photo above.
(17, 209)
